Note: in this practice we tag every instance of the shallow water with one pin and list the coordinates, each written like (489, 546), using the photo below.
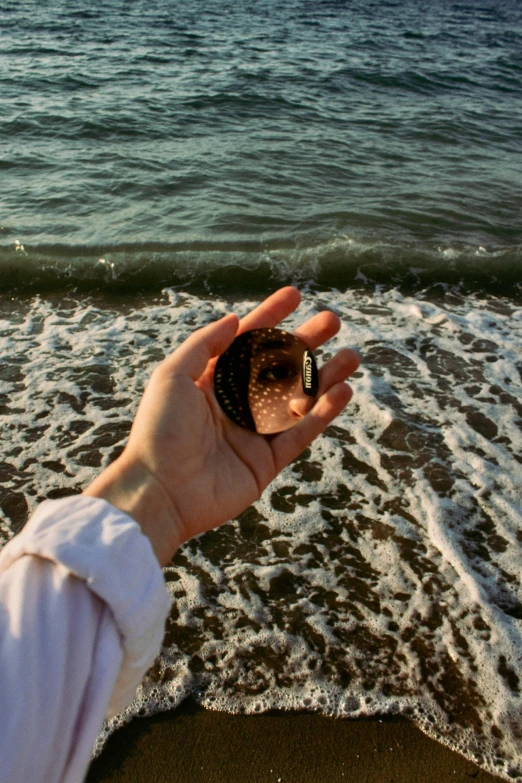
(379, 573)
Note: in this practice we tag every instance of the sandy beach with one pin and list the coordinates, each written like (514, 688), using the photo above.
(192, 745)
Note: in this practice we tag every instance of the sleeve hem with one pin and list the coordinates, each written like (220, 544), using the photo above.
(105, 548)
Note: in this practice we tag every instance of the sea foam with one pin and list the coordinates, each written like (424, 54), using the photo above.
(378, 574)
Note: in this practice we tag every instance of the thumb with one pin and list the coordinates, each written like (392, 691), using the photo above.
(193, 355)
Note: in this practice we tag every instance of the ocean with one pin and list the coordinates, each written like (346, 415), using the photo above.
(163, 163)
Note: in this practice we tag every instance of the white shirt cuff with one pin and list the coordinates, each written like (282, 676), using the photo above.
(105, 547)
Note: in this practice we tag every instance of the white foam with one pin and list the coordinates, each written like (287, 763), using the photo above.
(394, 545)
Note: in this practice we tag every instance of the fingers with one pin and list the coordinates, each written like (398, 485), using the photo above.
(335, 394)
(338, 369)
(288, 445)
(318, 329)
(272, 311)
(279, 305)
(193, 355)
(314, 332)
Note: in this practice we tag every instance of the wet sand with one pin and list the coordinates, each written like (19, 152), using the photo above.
(192, 745)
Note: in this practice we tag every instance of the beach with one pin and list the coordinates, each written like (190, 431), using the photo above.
(190, 745)
(164, 164)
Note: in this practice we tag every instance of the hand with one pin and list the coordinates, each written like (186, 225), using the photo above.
(187, 468)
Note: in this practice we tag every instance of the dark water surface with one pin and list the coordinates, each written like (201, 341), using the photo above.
(137, 128)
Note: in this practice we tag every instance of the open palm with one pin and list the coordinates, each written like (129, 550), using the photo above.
(199, 467)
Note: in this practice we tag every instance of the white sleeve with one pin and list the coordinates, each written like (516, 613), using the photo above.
(82, 611)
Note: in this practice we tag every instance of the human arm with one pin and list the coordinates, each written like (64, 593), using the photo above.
(82, 607)
(185, 469)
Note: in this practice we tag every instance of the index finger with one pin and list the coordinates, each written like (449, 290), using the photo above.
(272, 311)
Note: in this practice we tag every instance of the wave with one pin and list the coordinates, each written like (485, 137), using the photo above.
(242, 266)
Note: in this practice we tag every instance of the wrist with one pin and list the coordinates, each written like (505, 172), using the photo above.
(130, 486)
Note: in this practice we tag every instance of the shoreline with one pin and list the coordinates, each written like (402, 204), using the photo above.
(192, 745)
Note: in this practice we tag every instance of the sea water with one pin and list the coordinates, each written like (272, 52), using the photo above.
(163, 164)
